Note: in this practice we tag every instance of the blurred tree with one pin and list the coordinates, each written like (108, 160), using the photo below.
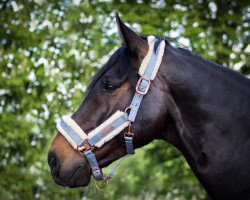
(49, 51)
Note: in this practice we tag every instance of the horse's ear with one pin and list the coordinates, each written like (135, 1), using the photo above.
(131, 40)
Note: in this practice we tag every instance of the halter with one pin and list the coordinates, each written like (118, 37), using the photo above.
(85, 144)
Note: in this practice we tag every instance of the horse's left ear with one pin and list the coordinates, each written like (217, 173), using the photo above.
(131, 40)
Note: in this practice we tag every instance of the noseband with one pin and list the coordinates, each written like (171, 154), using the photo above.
(85, 144)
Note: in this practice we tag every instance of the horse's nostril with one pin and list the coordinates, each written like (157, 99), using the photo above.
(53, 163)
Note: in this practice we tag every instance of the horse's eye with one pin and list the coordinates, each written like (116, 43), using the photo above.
(108, 87)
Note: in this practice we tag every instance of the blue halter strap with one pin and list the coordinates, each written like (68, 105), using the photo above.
(86, 143)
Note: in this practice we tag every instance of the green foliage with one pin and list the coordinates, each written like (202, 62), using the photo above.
(49, 51)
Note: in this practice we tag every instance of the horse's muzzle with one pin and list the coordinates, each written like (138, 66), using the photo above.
(78, 177)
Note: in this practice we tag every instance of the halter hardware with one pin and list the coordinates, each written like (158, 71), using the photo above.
(106, 180)
(85, 144)
(129, 133)
(85, 147)
(143, 89)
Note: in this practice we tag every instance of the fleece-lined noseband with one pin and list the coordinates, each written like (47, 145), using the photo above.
(119, 120)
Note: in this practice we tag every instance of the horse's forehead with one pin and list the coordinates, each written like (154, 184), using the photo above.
(113, 69)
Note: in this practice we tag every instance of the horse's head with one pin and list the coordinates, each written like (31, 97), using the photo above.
(111, 89)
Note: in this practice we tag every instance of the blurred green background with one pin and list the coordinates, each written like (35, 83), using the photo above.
(49, 50)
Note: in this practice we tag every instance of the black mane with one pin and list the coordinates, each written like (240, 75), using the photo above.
(126, 68)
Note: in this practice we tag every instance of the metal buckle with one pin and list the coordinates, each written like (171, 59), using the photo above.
(85, 146)
(138, 85)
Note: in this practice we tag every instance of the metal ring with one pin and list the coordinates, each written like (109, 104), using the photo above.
(128, 108)
(104, 180)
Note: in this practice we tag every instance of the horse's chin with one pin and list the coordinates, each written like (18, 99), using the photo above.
(79, 181)
(79, 178)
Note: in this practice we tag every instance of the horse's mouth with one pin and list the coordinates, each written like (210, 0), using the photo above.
(79, 178)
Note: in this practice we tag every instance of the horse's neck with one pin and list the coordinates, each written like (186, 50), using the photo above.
(209, 106)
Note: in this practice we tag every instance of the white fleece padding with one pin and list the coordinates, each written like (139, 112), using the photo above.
(109, 121)
(72, 124)
(158, 60)
(112, 134)
(146, 59)
(70, 140)
(105, 124)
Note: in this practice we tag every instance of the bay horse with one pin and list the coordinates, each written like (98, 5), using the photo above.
(198, 106)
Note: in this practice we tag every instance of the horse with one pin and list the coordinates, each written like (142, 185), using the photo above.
(198, 106)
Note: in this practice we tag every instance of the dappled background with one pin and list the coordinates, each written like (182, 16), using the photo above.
(49, 50)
